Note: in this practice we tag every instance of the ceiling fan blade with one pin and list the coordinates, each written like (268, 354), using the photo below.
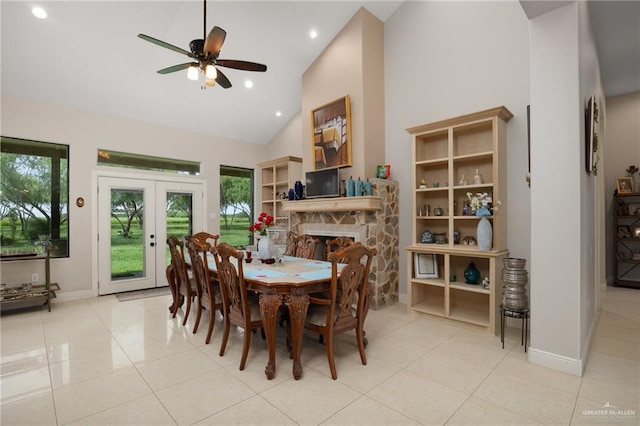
(241, 65)
(214, 41)
(177, 68)
(222, 80)
(165, 45)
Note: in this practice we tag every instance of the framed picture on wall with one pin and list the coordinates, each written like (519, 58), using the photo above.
(331, 137)
(425, 265)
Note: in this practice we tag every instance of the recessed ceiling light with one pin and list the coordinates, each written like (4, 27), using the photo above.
(248, 84)
(278, 113)
(39, 12)
(313, 34)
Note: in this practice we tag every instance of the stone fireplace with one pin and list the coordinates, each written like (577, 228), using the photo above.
(370, 220)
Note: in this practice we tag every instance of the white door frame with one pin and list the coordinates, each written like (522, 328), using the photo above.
(96, 174)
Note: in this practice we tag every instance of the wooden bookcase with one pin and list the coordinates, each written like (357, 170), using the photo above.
(277, 177)
(443, 152)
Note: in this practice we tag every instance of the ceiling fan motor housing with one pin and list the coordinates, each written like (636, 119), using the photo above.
(197, 47)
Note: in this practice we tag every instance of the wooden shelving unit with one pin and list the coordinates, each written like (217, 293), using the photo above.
(626, 253)
(277, 177)
(444, 152)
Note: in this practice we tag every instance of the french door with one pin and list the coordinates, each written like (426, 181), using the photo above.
(135, 216)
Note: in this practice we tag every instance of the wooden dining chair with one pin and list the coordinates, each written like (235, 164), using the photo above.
(306, 246)
(207, 289)
(337, 313)
(338, 243)
(239, 309)
(204, 237)
(291, 244)
(185, 289)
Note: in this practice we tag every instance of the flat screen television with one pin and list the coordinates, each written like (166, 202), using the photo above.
(323, 183)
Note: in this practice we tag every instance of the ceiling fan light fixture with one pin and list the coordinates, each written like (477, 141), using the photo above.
(248, 84)
(211, 72)
(210, 82)
(192, 73)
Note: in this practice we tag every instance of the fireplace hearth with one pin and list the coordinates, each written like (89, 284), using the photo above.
(374, 227)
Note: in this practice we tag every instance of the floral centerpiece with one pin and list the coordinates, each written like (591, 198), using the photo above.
(482, 203)
(264, 221)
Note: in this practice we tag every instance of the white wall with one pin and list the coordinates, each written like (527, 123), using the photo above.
(85, 132)
(563, 217)
(444, 59)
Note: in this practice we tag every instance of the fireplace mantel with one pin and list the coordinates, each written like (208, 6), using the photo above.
(333, 204)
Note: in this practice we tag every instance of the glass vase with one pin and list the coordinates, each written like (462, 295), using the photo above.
(265, 247)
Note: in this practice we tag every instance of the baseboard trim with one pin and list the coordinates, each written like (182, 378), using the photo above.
(556, 362)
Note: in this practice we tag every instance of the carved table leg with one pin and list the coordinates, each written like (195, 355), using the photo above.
(297, 302)
(269, 304)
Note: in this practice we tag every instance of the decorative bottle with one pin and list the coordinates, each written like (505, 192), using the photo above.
(351, 191)
(368, 190)
(465, 209)
(358, 187)
(299, 189)
(477, 178)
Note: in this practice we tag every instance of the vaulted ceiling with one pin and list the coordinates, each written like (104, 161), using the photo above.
(87, 55)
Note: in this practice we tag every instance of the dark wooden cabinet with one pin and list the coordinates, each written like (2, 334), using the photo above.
(626, 247)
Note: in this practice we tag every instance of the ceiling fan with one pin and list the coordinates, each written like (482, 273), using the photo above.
(204, 53)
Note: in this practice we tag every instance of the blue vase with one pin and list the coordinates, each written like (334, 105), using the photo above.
(471, 274)
(299, 190)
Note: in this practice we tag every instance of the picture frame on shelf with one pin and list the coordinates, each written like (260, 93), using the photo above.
(634, 208)
(624, 185)
(636, 232)
(425, 265)
(624, 232)
(331, 134)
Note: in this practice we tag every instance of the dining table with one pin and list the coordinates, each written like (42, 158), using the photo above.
(288, 281)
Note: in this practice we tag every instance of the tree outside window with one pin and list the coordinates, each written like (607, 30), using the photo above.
(34, 196)
(236, 205)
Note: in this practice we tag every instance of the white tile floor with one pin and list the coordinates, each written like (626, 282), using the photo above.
(100, 361)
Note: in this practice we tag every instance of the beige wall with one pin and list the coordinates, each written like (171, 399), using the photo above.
(85, 132)
(352, 64)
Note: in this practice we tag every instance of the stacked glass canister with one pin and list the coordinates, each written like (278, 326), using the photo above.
(515, 278)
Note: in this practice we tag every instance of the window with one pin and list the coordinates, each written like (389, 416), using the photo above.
(34, 196)
(147, 162)
(236, 205)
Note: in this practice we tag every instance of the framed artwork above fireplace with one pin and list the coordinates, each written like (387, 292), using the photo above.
(331, 137)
